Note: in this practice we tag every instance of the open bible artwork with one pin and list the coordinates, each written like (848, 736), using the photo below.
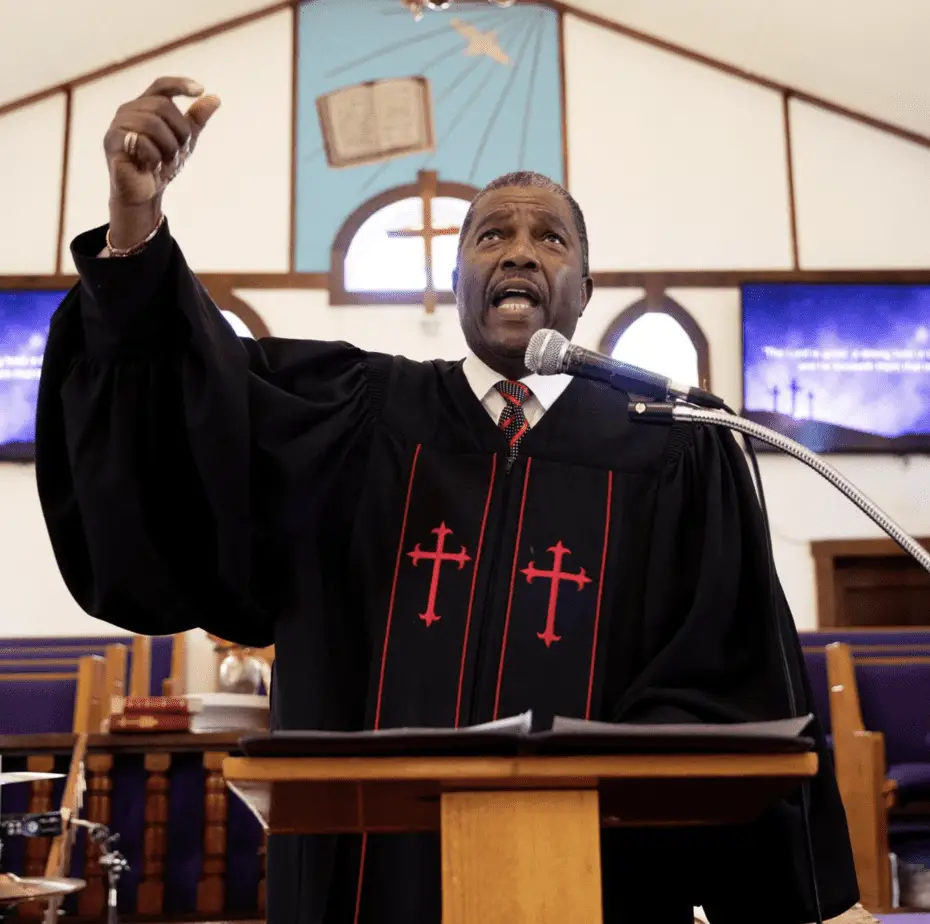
(398, 128)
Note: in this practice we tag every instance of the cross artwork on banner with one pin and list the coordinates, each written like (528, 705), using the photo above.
(428, 190)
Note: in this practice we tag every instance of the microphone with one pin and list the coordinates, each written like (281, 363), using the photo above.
(549, 353)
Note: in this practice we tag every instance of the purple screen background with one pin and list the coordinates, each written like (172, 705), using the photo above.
(854, 356)
(24, 323)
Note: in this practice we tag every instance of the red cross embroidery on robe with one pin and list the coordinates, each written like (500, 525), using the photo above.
(438, 556)
(556, 576)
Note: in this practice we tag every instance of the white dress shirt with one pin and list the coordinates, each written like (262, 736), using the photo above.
(545, 388)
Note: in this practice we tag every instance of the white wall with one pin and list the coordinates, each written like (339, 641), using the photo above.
(863, 196)
(238, 180)
(676, 164)
(685, 168)
(31, 157)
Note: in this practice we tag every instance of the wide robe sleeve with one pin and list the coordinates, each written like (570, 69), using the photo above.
(175, 461)
(710, 652)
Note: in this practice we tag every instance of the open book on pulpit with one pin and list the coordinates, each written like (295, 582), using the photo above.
(521, 735)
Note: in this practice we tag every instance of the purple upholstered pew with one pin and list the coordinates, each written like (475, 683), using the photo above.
(895, 700)
(904, 642)
(38, 678)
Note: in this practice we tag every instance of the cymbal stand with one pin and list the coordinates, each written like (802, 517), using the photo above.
(110, 860)
(41, 824)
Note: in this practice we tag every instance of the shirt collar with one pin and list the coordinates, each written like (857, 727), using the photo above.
(482, 379)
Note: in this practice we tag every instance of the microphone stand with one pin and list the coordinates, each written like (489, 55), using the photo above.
(670, 413)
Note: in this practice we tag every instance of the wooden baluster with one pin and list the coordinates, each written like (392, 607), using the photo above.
(37, 848)
(263, 853)
(92, 899)
(40, 800)
(151, 895)
(211, 890)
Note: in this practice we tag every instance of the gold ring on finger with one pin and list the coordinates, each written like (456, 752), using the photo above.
(130, 140)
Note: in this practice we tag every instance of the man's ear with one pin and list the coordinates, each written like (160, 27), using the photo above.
(587, 288)
(455, 281)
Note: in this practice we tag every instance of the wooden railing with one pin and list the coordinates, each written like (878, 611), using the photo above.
(157, 752)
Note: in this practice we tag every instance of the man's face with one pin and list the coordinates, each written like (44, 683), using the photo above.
(520, 271)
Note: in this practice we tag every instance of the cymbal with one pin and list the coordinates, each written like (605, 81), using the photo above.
(14, 890)
(24, 776)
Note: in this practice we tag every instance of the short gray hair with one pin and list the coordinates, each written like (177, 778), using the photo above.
(525, 179)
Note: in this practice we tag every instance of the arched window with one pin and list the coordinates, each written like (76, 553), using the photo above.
(238, 325)
(379, 254)
(660, 336)
(242, 317)
(377, 261)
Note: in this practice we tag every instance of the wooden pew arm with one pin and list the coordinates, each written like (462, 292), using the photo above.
(863, 784)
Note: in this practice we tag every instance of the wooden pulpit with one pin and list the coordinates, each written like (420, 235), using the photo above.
(520, 835)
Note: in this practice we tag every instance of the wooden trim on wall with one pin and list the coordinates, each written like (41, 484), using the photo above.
(609, 279)
(728, 279)
(220, 288)
(733, 71)
(789, 164)
(559, 5)
(564, 93)
(65, 167)
(143, 56)
(860, 548)
(295, 86)
(218, 282)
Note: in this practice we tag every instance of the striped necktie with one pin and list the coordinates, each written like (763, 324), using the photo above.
(512, 420)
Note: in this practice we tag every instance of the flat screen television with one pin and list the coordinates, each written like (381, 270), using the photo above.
(24, 321)
(839, 368)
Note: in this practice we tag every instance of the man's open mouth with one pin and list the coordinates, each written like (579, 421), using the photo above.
(516, 299)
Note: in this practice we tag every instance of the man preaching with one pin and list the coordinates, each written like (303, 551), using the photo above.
(425, 543)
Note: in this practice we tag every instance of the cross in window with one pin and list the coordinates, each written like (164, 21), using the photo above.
(428, 182)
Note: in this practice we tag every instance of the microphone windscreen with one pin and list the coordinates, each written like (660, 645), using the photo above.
(545, 351)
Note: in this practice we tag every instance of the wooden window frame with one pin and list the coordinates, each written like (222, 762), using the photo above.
(226, 301)
(663, 305)
(338, 295)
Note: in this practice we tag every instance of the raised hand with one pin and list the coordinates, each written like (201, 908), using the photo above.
(147, 144)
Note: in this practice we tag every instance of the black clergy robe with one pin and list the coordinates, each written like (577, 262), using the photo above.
(357, 510)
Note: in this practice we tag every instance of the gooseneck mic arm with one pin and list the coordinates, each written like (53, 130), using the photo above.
(670, 413)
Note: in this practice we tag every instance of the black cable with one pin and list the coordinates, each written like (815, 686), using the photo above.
(786, 668)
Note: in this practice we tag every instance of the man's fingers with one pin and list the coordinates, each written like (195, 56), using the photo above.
(146, 153)
(166, 110)
(149, 125)
(173, 86)
(201, 111)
